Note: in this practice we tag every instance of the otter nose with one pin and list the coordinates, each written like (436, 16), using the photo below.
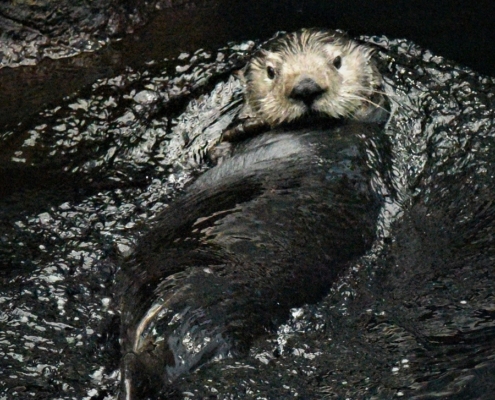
(306, 90)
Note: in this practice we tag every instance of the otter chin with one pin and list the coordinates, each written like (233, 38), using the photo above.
(313, 72)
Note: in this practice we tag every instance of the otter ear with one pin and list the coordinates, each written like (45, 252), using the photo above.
(369, 51)
(372, 51)
(241, 74)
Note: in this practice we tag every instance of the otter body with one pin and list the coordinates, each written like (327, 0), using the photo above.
(269, 229)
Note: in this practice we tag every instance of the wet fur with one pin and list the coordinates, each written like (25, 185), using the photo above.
(269, 229)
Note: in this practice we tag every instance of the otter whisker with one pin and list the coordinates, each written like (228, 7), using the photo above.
(370, 102)
(395, 96)
(384, 93)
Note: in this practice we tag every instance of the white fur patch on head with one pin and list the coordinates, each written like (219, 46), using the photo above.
(340, 73)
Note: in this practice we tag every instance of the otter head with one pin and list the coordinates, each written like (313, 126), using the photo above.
(311, 72)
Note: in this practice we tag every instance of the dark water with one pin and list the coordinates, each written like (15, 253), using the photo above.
(413, 318)
(79, 182)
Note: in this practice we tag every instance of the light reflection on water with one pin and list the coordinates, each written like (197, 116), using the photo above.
(414, 317)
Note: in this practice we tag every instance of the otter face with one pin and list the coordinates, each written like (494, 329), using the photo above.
(311, 72)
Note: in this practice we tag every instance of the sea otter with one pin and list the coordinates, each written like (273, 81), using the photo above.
(268, 229)
(306, 74)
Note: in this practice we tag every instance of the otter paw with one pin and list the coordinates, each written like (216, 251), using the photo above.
(220, 152)
(248, 128)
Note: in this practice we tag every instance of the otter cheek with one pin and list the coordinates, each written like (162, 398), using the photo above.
(262, 91)
(348, 73)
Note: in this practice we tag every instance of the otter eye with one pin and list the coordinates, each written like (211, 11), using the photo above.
(337, 62)
(270, 72)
